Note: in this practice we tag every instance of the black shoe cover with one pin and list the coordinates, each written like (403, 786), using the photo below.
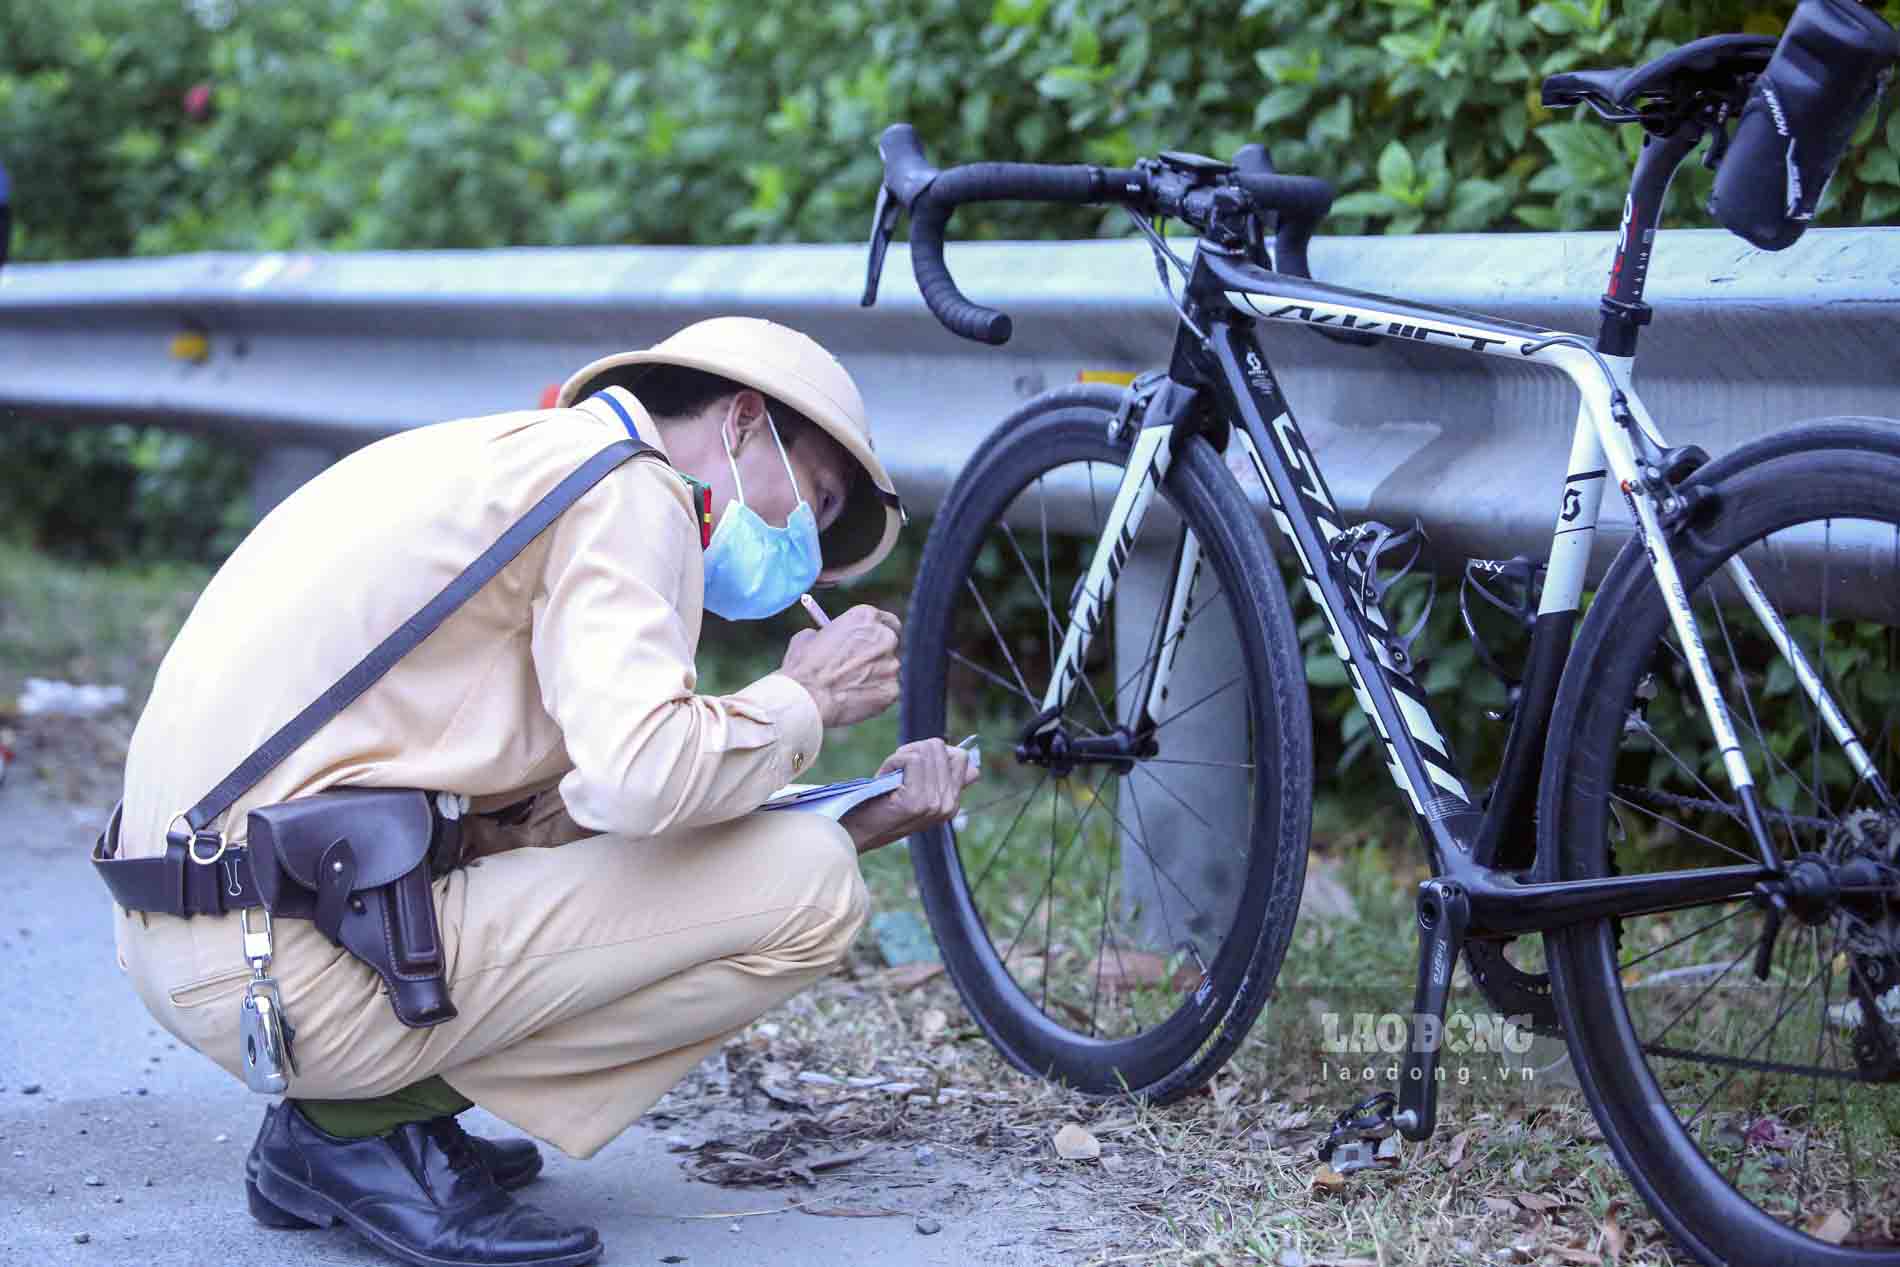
(1831, 64)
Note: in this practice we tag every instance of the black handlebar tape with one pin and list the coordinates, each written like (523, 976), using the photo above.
(1297, 197)
(989, 182)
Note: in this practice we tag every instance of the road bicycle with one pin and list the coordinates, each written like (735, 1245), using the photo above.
(1695, 804)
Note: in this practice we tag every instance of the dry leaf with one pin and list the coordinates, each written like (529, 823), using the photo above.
(1589, 1257)
(1498, 1205)
(1026, 968)
(908, 976)
(1537, 1203)
(1832, 1227)
(932, 1023)
(1122, 969)
(1615, 1240)
(841, 1159)
(1074, 1143)
(851, 1212)
(1457, 1153)
(1328, 1178)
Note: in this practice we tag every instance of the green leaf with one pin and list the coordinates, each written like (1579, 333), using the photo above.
(1538, 216)
(1085, 46)
(1882, 167)
(1554, 19)
(1023, 13)
(1334, 123)
(1880, 206)
(1285, 66)
(1066, 83)
(1281, 103)
(1475, 204)
(1367, 202)
(1323, 669)
(1407, 48)
(1482, 23)
(1396, 172)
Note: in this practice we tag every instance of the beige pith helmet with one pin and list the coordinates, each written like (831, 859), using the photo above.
(791, 367)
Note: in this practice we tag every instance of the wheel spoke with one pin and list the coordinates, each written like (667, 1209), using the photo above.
(1742, 1064)
(997, 850)
(1674, 942)
(1068, 847)
(1003, 682)
(1228, 685)
(1047, 889)
(1002, 642)
(1055, 644)
(1683, 828)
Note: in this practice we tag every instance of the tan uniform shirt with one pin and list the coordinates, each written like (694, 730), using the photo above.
(574, 666)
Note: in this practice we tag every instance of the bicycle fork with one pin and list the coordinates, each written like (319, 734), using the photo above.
(1147, 467)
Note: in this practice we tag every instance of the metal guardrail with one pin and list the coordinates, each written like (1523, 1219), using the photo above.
(312, 355)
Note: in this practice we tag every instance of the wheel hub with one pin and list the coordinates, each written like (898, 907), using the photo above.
(1056, 750)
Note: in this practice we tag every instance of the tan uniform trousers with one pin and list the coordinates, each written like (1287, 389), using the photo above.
(589, 977)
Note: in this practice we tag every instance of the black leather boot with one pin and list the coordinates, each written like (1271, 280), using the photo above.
(422, 1192)
(513, 1162)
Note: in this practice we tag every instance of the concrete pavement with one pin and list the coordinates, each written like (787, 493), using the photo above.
(118, 1145)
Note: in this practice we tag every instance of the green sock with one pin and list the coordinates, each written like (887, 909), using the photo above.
(361, 1119)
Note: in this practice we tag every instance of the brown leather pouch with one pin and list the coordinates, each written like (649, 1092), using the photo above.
(358, 862)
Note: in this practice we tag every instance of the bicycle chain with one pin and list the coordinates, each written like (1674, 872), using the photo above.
(1674, 800)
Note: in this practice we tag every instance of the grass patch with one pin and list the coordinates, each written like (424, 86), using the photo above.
(89, 623)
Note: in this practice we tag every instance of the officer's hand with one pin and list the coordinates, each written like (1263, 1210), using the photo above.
(935, 775)
(849, 666)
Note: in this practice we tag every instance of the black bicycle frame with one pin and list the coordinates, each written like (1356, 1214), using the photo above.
(1471, 895)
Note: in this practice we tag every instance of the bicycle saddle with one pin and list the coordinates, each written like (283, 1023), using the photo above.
(1712, 62)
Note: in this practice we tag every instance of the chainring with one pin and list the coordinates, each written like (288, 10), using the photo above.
(1509, 989)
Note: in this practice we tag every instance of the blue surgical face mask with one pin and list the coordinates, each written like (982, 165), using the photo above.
(754, 570)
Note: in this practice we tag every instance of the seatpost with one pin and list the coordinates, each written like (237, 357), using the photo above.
(1624, 312)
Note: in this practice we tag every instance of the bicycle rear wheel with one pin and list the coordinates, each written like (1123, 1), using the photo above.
(1748, 1082)
(1114, 923)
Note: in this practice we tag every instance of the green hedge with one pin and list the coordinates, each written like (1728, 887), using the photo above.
(440, 123)
(155, 126)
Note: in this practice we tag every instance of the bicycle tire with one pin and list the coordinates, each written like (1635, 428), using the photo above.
(1180, 1054)
(1802, 475)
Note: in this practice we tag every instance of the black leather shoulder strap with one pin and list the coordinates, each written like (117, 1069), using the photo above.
(406, 638)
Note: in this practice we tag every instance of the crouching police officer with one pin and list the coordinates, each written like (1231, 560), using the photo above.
(554, 707)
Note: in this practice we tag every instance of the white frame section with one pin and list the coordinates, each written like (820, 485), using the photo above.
(1601, 452)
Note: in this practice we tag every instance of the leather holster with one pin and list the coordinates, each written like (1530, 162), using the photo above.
(359, 862)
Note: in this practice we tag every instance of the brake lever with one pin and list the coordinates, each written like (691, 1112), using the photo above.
(883, 224)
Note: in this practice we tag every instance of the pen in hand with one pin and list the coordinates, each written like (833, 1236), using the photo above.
(816, 612)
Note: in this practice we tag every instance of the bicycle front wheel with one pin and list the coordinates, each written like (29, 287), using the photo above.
(1116, 902)
(1744, 1068)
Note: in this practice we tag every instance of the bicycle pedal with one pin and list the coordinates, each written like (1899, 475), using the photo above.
(1359, 1154)
(1353, 1143)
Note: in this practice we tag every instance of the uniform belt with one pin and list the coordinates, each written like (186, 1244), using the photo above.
(174, 884)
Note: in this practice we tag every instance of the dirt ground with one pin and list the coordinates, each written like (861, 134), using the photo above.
(868, 1118)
